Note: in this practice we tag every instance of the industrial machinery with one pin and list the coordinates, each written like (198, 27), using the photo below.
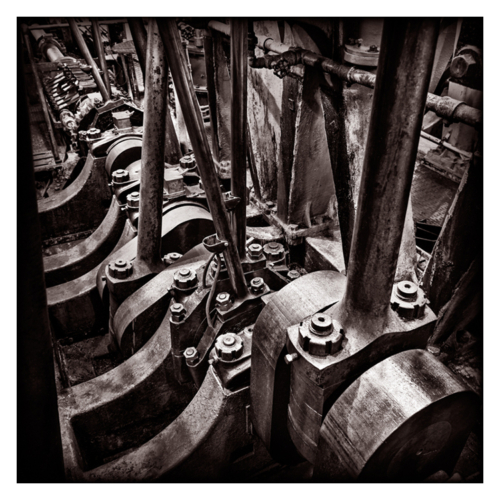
(189, 322)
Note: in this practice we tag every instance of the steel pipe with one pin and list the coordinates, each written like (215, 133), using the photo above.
(39, 448)
(88, 58)
(41, 95)
(153, 152)
(239, 70)
(403, 76)
(99, 48)
(445, 107)
(201, 148)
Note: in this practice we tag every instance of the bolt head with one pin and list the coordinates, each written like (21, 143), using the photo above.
(257, 285)
(255, 250)
(229, 347)
(173, 256)
(178, 312)
(223, 301)
(293, 275)
(120, 269)
(321, 342)
(274, 251)
(120, 176)
(463, 65)
(407, 290)
(185, 279)
(408, 300)
(133, 199)
(191, 355)
(321, 324)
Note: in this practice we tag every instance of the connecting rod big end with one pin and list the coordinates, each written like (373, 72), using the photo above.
(239, 69)
(88, 58)
(403, 76)
(196, 130)
(153, 152)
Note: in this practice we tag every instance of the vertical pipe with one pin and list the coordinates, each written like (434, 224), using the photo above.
(208, 47)
(88, 58)
(403, 75)
(201, 148)
(41, 96)
(127, 78)
(99, 47)
(153, 151)
(39, 449)
(172, 148)
(239, 69)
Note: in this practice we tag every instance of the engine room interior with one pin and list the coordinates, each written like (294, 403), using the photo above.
(250, 250)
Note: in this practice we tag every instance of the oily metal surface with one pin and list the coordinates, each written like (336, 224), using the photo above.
(402, 420)
(270, 376)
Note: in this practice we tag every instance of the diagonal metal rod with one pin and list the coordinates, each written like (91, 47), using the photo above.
(239, 69)
(99, 48)
(77, 36)
(196, 130)
(403, 76)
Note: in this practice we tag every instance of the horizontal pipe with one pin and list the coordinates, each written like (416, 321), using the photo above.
(445, 144)
(445, 107)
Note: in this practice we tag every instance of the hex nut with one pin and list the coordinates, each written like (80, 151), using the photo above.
(93, 134)
(229, 346)
(185, 279)
(120, 269)
(213, 266)
(178, 312)
(274, 251)
(257, 285)
(293, 275)
(255, 251)
(187, 161)
(408, 300)
(191, 356)
(223, 301)
(172, 256)
(463, 65)
(133, 199)
(120, 176)
(290, 358)
(321, 336)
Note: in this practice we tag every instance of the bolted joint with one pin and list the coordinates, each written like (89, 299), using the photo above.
(191, 355)
(213, 266)
(93, 134)
(321, 336)
(120, 176)
(133, 200)
(274, 251)
(223, 301)
(187, 161)
(293, 275)
(408, 300)
(185, 279)
(257, 285)
(171, 257)
(120, 269)
(463, 65)
(178, 312)
(255, 251)
(229, 347)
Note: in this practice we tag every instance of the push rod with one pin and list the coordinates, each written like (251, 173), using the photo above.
(403, 75)
(445, 107)
(39, 448)
(153, 152)
(77, 36)
(41, 95)
(99, 48)
(196, 130)
(239, 55)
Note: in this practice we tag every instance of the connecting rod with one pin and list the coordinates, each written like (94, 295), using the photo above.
(153, 152)
(403, 76)
(239, 69)
(196, 130)
(99, 47)
(77, 36)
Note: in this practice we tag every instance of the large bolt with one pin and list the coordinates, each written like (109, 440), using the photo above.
(178, 312)
(408, 300)
(93, 133)
(255, 251)
(172, 257)
(290, 358)
(322, 336)
(463, 65)
(185, 279)
(257, 285)
(133, 199)
(120, 176)
(321, 324)
(191, 355)
(187, 161)
(229, 347)
(120, 268)
(274, 251)
(223, 301)
(407, 291)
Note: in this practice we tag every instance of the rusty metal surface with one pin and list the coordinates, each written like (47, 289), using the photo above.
(81, 258)
(403, 420)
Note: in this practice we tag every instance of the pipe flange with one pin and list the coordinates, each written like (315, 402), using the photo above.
(274, 251)
(133, 200)
(255, 251)
(120, 176)
(185, 279)
(321, 336)
(229, 347)
(408, 300)
(120, 268)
